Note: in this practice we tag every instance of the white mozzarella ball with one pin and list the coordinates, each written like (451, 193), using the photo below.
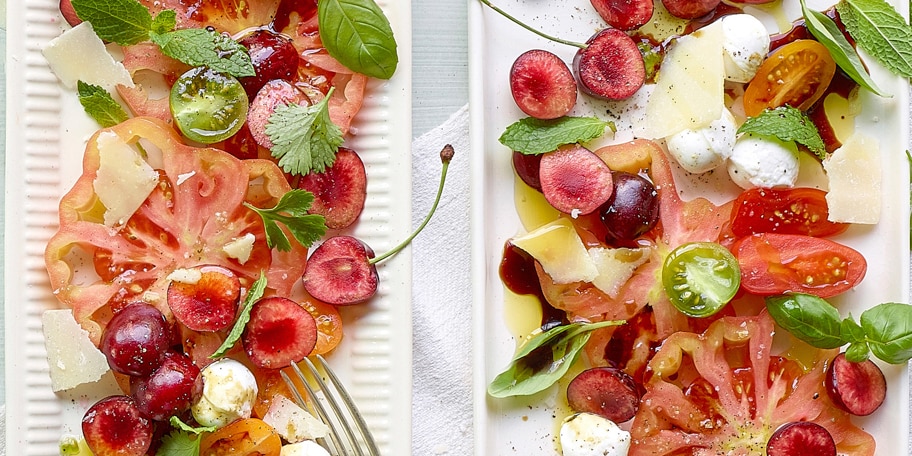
(229, 392)
(759, 161)
(704, 149)
(745, 44)
(588, 434)
(305, 448)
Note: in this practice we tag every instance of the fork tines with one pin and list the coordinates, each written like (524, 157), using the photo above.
(342, 417)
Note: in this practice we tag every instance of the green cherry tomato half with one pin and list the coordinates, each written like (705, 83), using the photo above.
(208, 106)
(700, 278)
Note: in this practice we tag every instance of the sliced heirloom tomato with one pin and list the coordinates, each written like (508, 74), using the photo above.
(723, 392)
(774, 263)
(796, 74)
(788, 211)
(244, 437)
(195, 209)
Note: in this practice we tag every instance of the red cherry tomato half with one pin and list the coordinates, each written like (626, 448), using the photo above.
(786, 211)
(773, 263)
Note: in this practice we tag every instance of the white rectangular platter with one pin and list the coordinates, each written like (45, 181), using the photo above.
(47, 131)
(525, 426)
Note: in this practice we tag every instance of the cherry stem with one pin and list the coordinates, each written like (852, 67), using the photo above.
(445, 156)
(537, 32)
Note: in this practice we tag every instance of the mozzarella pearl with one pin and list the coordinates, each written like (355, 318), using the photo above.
(704, 149)
(588, 434)
(745, 44)
(229, 392)
(763, 162)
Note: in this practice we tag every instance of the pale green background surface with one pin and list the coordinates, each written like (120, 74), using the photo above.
(439, 78)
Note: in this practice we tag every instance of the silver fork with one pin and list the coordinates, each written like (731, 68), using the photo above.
(343, 424)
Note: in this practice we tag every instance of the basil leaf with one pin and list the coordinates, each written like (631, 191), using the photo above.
(544, 359)
(201, 47)
(533, 136)
(827, 33)
(852, 332)
(124, 22)
(808, 318)
(858, 352)
(888, 328)
(359, 36)
(880, 31)
(254, 293)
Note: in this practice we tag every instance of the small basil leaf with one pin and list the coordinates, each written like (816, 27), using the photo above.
(531, 136)
(808, 318)
(544, 359)
(857, 352)
(852, 332)
(827, 33)
(888, 328)
(359, 36)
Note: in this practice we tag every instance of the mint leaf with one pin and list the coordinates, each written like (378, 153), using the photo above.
(827, 33)
(291, 211)
(533, 136)
(253, 294)
(124, 22)
(359, 36)
(177, 423)
(201, 47)
(880, 31)
(100, 105)
(304, 138)
(164, 22)
(787, 124)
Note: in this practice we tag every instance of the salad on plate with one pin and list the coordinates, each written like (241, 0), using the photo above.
(693, 197)
(207, 243)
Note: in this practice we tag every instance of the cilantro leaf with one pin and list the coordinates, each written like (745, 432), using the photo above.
(880, 31)
(533, 136)
(253, 294)
(291, 211)
(100, 105)
(304, 138)
(202, 47)
(179, 443)
(124, 22)
(787, 124)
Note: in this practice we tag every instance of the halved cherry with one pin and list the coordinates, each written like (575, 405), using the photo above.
(575, 180)
(340, 191)
(342, 270)
(858, 388)
(204, 298)
(114, 426)
(280, 332)
(542, 84)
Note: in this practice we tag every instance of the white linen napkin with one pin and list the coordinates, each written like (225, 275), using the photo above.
(441, 296)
